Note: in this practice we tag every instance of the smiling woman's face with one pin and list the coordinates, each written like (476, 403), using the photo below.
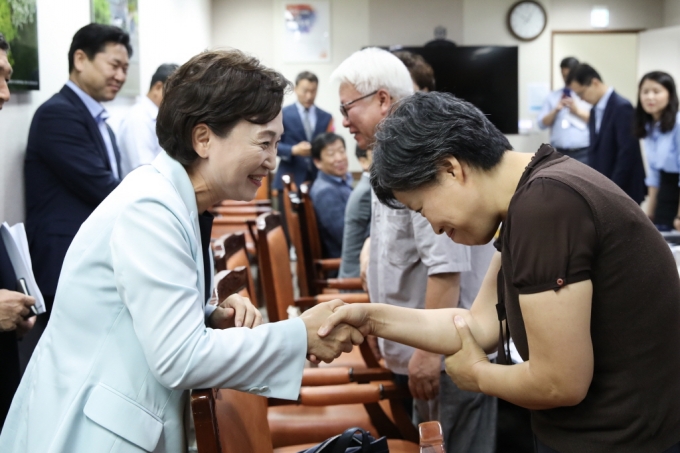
(455, 206)
(236, 164)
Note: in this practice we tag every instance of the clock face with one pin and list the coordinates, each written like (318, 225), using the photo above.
(527, 20)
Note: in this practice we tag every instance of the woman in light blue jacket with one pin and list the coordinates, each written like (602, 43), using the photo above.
(131, 330)
(657, 122)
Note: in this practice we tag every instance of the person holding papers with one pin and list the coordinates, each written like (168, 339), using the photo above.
(14, 306)
(131, 330)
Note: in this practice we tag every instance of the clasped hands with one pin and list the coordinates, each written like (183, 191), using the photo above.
(335, 327)
(464, 367)
(238, 311)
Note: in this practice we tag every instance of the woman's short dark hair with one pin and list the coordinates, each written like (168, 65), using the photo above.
(420, 133)
(583, 74)
(323, 140)
(93, 38)
(219, 89)
(421, 71)
(4, 45)
(669, 114)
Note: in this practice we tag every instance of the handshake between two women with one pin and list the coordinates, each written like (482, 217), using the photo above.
(237, 311)
(335, 327)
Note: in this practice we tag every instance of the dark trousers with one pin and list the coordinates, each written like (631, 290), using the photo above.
(667, 201)
(30, 341)
(10, 374)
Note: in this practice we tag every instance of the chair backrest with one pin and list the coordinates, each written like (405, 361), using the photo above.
(293, 223)
(229, 421)
(275, 273)
(309, 234)
(231, 254)
(231, 281)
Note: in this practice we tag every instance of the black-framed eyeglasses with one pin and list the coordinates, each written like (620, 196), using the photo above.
(343, 107)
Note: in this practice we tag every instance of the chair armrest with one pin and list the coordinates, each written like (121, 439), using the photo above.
(341, 283)
(348, 298)
(343, 375)
(328, 264)
(227, 211)
(372, 392)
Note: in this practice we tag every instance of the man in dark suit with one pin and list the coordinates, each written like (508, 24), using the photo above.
(302, 121)
(72, 161)
(14, 306)
(614, 151)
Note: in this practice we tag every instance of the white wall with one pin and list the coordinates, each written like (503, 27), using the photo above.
(660, 51)
(408, 22)
(256, 27)
(484, 23)
(170, 31)
(671, 13)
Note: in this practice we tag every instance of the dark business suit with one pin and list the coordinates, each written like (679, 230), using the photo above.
(615, 151)
(302, 168)
(68, 173)
(9, 354)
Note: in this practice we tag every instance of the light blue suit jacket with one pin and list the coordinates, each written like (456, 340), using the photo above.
(127, 336)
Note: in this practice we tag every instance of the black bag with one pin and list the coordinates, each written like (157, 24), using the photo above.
(353, 440)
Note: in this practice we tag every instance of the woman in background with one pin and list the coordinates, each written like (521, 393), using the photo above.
(656, 121)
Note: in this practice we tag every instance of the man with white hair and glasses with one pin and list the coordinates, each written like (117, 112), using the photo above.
(410, 266)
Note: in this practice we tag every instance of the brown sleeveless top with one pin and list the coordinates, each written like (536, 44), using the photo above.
(568, 223)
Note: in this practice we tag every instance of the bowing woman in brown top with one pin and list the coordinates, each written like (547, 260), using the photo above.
(583, 282)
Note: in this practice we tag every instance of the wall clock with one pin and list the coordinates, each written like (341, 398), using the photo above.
(527, 20)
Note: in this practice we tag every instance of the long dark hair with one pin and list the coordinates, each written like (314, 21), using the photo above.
(667, 121)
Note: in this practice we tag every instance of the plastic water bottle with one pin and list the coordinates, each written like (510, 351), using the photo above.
(431, 437)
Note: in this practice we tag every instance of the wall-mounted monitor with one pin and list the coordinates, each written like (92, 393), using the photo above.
(485, 76)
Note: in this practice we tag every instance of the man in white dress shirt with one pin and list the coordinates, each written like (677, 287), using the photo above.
(567, 115)
(137, 138)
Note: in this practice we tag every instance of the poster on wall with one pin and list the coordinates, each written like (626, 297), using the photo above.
(123, 14)
(19, 25)
(307, 32)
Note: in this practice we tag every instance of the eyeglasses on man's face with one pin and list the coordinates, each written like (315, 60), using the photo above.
(344, 107)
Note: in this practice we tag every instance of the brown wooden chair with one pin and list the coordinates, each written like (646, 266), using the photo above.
(256, 202)
(224, 225)
(316, 267)
(265, 190)
(292, 220)
(243, 211)
(276, 275)
(230, 253)
(231, 421)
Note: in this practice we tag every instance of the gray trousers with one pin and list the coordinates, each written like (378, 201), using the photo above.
(468, 419)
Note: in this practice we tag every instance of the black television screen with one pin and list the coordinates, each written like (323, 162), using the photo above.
(485, 76)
